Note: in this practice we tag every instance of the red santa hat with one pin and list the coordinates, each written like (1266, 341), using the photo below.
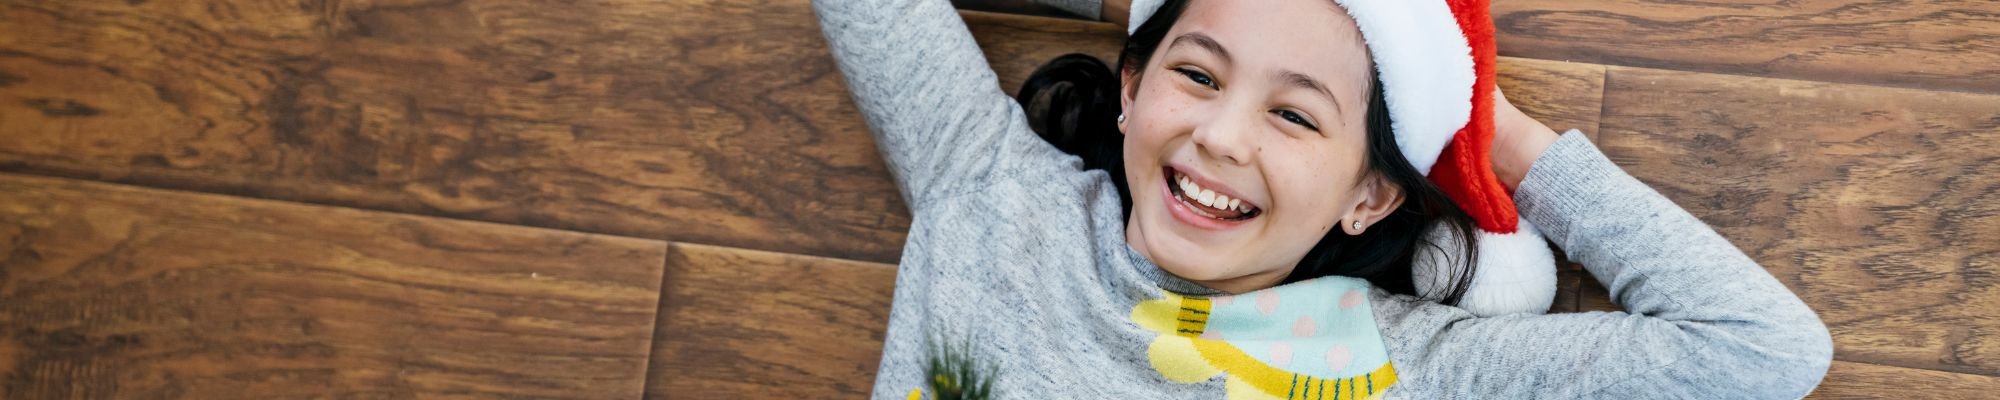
(1436, 61)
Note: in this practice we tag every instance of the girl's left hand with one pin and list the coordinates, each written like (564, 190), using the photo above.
(1518, 140)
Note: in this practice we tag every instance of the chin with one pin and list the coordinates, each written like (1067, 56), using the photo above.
(1207, 272)
(1186, 258)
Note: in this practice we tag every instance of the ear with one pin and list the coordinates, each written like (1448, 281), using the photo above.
(1379, 197)
(1128, 89)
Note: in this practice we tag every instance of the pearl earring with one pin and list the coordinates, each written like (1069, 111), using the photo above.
(1121, 118)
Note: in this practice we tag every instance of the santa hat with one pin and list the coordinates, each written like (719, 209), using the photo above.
(1436, 59)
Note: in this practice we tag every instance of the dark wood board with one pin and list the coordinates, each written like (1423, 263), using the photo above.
(110, 291)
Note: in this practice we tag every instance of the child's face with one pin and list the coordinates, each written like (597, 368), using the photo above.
(1262, 101)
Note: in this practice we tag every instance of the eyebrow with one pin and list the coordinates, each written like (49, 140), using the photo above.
(1302, 81)
(1203, 41)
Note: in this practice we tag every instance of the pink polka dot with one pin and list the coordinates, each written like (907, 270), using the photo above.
(1338, 357)
(1267, 302)
(1212, 334)
(1304, 327)
(1222, 301)
(1351, 299)
(1281, 354)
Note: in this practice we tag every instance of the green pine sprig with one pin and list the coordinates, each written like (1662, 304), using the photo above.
(955, 375)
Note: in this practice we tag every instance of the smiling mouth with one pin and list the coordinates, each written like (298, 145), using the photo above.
(1207, 203)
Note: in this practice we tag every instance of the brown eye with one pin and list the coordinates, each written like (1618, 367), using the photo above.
(1197, 77)
(1295, 118)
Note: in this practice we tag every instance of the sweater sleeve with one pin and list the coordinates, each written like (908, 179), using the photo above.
(1703, 319)
(935, 108)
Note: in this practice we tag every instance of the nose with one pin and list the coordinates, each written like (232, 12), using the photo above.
(1228, 135)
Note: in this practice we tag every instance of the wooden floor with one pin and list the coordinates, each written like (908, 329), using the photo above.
(212, 199)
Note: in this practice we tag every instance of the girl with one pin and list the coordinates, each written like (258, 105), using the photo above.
(1272, 155)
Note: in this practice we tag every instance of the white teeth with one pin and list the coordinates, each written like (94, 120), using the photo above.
(1195, 194)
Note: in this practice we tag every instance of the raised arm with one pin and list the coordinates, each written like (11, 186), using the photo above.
(936, 109)
(1704, 320)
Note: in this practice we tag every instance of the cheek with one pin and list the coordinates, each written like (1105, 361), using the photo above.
(1160, 112)
(1150, 135)
(1309, 190)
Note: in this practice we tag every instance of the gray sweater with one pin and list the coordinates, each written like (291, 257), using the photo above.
(1017, 258)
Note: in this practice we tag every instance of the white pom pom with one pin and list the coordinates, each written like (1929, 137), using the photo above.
(1516, 273)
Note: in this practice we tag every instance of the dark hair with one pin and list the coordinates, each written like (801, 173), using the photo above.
(1073, 103)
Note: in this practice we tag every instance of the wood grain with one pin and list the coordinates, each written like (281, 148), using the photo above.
(110, 291)
(1016, 7)
(710, 122)
(1943, 45)
(745, 324)
(1593, 296)
(1879, 206)
(1015, 45)
(1852, 380)
(1562, 95)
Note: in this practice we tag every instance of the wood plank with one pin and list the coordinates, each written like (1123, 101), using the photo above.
(1016, 7)
(747, 324)
(712, 122)
(1593, 296)
(109, 291)
(1563, 95)
(1944, 45)
(1015, 45)
(1852, 380)
(1879, 206)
